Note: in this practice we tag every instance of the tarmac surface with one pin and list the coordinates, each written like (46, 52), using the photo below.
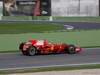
(83, 25)
(17, 60)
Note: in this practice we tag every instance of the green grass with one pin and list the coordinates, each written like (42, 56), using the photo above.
(27, 27)
(11, 34)
(45, 69)
(91, 38)
(79, 19)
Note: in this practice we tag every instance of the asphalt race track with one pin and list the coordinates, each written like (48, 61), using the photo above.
(83, 25)
(17, 60)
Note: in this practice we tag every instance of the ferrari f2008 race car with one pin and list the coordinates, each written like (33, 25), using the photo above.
(34, 47)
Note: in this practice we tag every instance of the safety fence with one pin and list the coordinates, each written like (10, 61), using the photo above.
(48, 19)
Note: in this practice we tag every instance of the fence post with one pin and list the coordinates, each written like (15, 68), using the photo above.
(99, 7)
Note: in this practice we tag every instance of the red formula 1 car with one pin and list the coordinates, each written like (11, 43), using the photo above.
(33, 47)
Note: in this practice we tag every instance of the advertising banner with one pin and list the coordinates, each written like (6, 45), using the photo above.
(19, 7)
(27, 7)
(46, 7)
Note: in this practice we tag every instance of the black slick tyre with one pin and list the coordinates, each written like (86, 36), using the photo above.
(71, 49)
(32, 51)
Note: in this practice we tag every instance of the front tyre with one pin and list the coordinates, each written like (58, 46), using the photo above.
(21, 48)
(32, 50)
(71, 49)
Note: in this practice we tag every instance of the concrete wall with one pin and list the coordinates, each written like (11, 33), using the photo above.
(75, 7)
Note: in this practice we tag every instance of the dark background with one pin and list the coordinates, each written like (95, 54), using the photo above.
(46, 7)
(27, 9)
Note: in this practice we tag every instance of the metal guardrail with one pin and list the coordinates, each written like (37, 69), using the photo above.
(51, 19)
(29, 19)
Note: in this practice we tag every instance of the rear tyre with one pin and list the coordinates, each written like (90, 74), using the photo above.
(32, 51)
(71, 49)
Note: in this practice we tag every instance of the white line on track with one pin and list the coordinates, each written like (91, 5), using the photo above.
(50, 66)
(54, 65)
